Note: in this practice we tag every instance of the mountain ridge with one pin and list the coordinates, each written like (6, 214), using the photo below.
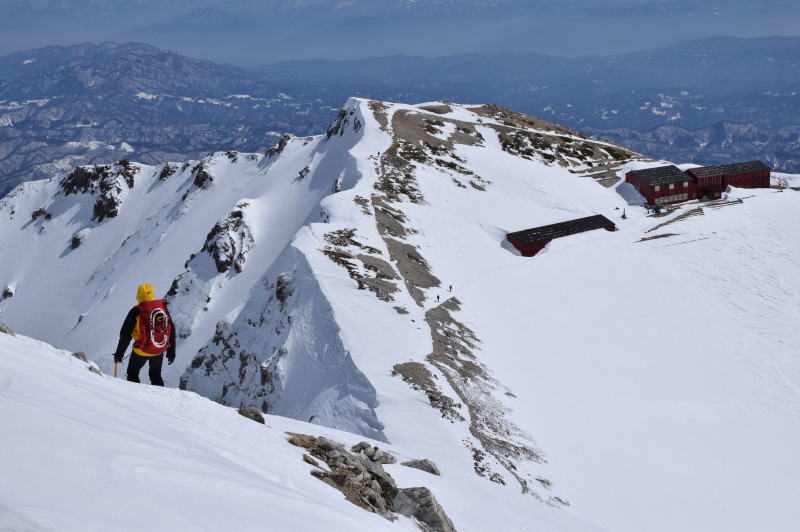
(359, 280)
(50, 121)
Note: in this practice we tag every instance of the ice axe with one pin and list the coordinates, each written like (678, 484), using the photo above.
(116, 364)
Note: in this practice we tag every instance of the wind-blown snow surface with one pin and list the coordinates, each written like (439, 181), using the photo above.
(651, 384)
(90, 453)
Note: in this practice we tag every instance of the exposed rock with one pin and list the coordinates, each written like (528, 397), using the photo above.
(80, 355)
(128, 170)
(454, 346)
(420, 504)
(8, 293)
(38, 213)
(368, 271)
(379, 112)
(83, 179)
(5, 330)
(252, 413)
(78, 238)
(278, 148)
(94, 370)
(414, 269)
(283, 289)
(365, 483)
(230, 241)
(202, 179)
(423, 465)
(373, 453)
(439, 109)
(420, 378)
(342, 120)
(166, 172)
(307, 459)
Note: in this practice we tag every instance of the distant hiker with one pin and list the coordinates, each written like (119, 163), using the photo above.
(450, 289)
(150, 326)
(437, 297)
(623, 215)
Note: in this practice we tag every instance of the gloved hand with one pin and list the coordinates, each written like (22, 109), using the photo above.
(170, 359)
(118, 357)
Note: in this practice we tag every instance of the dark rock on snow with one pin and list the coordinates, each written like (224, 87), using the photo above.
(373, 453)
(5, 330)
(365, 483)
(420, 504)
(252, 413)
(423, 465)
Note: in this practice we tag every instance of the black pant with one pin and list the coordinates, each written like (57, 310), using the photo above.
(136, 364)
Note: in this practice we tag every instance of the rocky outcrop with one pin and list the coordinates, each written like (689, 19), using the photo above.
(252, 413)
(230, 240)
(8, 293)
(365, 483)
(4, 329)
(420, 504)
(423, 465)
(107, 182)
(373, 453)
(285, 356)
(363, 263)
(202, 177)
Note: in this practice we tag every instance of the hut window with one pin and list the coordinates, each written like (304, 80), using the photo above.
(671, 186)
(658, 187)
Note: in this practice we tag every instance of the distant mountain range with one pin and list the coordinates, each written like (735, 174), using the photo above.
(65, 106)
(708, 101)
(252, 32)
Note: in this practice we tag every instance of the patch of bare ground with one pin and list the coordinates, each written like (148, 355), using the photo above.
(415, 142)
(363, 203)
(499, 447)
(413, 268)
(517, 120)
(453, 354)
(369, 271)
(698, 211)
(439, 109)
(420, 378)
(557, 144)
(379, 112)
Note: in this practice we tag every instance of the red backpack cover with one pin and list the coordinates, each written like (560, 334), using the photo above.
(154, 328)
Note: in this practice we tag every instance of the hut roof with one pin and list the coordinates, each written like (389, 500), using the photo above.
(746, 167)
(660, 175)
(548, 232)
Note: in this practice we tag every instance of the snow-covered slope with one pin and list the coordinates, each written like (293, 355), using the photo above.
(360, 280)
(87, 452)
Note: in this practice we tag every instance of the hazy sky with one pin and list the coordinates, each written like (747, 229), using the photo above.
(252, 32)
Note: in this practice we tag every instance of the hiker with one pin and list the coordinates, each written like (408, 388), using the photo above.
(150, 326)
